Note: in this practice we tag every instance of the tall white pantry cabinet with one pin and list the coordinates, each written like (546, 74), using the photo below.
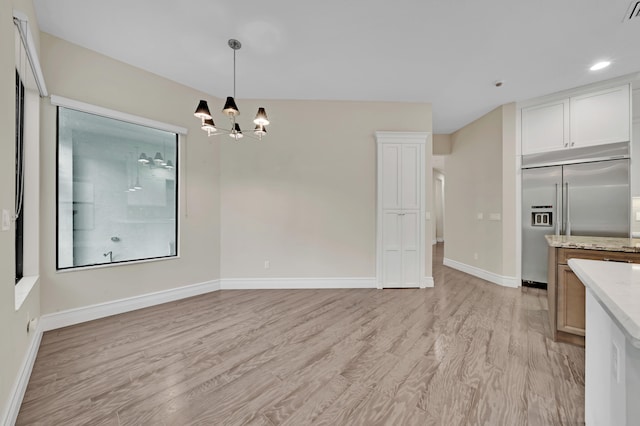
(401, 209)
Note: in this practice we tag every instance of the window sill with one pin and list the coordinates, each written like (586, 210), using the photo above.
(117, 263)
(23, 289)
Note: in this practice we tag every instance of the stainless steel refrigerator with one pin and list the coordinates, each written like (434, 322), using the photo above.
(587, 196)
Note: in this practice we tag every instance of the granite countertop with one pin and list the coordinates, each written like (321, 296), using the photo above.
(617, 288)
(631, 245)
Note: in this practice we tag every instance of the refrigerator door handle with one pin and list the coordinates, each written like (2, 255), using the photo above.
(568, 228)
(557, 211)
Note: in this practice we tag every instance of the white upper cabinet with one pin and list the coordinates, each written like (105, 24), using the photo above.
(545, 127)
(594, 118)
(400, 176)
(411, 186)
(601, 117)
(390, 176)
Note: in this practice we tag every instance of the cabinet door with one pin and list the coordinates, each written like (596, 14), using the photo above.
(392, 249)
(410, 249)
(401, 176)
(401, 249)
(571, 302)
(601, 117)
(410, 178)
(545, 127)
(391, 181)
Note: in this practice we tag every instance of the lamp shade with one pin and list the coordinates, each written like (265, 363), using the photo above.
(202, 111)
(143, 158)
(158, 158)
(236, 133)
(260, 130)
(209, 125)
(169, 164)
(261, 117)
(230, 107)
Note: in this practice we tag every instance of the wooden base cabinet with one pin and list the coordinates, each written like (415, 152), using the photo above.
(566, 293)
(571, 296)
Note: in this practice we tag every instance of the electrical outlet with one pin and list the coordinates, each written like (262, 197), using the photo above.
(475, 256)
(427, 215)
(637, 216)
(494, 216)
(267, 264)
(480, 216)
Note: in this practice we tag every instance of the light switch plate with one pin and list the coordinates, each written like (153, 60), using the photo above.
(6, 220)
(480, 216)
(494, 216)
(427, 215)
(637, 216)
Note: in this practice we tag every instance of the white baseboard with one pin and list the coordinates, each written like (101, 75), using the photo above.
(20, 386)
(295, 283)
(481, 273)
(101, 310)
(427, 282)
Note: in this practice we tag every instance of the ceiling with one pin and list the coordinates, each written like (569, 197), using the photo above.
(449, 53)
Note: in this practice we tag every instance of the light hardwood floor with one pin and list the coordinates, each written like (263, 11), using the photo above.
(464, 352)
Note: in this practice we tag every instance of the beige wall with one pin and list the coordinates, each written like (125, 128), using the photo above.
(77, 73)
(441, 144)
(304, 198)
(13, 324)
(481, 179)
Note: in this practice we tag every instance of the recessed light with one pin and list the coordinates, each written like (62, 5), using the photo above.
(600, 65)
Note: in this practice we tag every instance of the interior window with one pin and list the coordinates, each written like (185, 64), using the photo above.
(117, 191)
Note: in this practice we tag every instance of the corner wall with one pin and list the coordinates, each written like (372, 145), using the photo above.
(15, 341)
(480, 198)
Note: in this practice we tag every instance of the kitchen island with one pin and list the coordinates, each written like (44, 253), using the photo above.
(565, 292)
(612, 369)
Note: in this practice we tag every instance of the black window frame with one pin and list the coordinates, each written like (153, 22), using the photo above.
(176, 203)
(19, 176)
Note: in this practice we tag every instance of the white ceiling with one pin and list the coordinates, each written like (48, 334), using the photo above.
(448, 53)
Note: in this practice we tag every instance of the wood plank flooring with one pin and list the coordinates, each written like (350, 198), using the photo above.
(466, 352)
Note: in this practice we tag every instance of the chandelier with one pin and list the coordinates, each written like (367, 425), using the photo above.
(231, 110)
